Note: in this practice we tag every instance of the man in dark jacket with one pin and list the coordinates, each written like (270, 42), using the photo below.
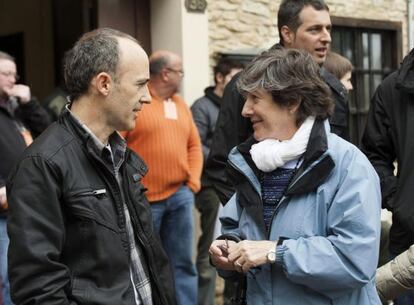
(205, 112)
(80, 225)
(302, 24)
(388, 138)
(21, 119)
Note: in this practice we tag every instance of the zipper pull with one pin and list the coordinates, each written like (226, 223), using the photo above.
(99, 192)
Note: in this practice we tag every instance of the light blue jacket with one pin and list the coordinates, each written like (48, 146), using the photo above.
(328, 223)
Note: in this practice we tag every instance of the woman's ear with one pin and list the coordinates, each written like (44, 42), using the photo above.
(293, 108)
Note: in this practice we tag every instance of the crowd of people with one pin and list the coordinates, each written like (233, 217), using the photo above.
(97, 207)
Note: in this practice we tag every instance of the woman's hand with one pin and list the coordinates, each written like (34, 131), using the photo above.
(249, 254)
(219, 252)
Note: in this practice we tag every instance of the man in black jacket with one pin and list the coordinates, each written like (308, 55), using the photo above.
(389, 137)
(205, 111)
(302, 24)
(80, 225)
(21, 119)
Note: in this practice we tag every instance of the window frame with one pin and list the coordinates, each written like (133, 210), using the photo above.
(391, 31)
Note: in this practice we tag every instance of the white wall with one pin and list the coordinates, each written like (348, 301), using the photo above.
(166, 27)
(174, 29)
(195, 54)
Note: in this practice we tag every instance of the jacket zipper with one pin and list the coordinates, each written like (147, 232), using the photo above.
(281, 200)
(97, 193)
(119, 203)
(285, 197)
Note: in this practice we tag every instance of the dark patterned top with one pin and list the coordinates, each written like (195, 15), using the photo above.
(274, 185)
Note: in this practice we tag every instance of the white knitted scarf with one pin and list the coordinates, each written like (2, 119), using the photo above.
(270, 154)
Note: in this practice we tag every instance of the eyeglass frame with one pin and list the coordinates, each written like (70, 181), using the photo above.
(9, 74)
(180, 72)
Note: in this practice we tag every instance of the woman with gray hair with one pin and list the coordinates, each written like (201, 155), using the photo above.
(303, 225)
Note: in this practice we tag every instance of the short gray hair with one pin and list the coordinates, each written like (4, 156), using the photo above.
(290, 76)
(95, 52)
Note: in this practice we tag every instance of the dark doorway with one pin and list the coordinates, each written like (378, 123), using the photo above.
(71, 18)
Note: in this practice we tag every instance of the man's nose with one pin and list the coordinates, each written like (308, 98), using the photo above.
(326, 36)
(146, 98)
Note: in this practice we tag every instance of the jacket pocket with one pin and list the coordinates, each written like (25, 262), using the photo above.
(92, 204)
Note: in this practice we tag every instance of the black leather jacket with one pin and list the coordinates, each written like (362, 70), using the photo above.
(68, 241)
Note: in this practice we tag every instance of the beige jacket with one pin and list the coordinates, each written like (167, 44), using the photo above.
(396, 277)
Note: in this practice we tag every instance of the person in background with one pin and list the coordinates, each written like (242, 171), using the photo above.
(80, 225)
(341, 68)
(396, 278)
(306, 212)
(166, 137)
(389, 145)
(21, 119)
(205, 112)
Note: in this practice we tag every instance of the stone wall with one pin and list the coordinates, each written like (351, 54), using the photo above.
(241, 24)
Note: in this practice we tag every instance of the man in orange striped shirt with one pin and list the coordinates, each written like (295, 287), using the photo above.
(166, 137)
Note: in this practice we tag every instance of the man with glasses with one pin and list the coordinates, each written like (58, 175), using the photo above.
(21, 119)
(167, 139)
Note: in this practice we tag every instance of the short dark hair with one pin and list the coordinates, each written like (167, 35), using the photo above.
(289, 12)
(4, 55)
(95, 52)
(156, 64)
(289, 76)
(224, 67)
(337, 65)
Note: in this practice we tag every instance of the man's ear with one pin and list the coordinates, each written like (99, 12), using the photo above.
(288, 35)
(103, 83)
(164, 75)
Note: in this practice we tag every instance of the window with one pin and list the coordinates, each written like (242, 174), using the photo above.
(374, 48)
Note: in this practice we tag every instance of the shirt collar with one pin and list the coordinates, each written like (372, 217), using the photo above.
(117, 143)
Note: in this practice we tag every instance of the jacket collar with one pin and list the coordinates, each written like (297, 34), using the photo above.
(317, 163)
(333, 82)
(67, 120)
(310, 174)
